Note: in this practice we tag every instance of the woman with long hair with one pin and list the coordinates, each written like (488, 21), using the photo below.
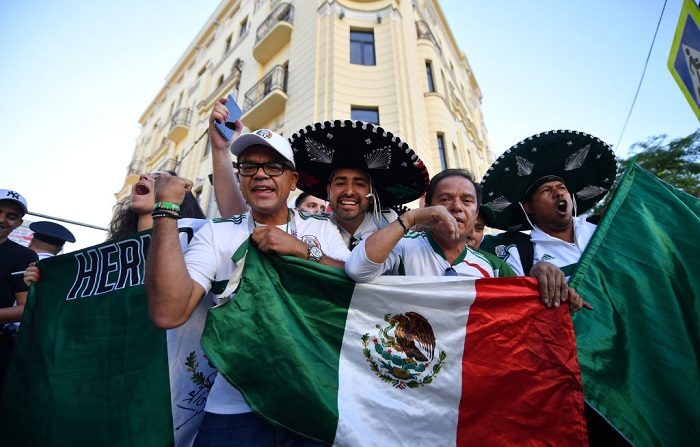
(133, 213)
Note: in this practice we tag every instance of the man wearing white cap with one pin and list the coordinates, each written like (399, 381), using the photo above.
(14, 259)
(175, 283)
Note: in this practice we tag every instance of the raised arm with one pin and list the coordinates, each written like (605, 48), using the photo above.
(373, 256)
(226, 188)
(172, 293)
(379, 244)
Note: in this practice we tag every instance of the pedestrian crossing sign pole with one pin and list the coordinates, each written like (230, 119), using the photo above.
(684, 60)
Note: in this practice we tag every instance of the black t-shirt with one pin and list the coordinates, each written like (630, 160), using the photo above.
(14, 258)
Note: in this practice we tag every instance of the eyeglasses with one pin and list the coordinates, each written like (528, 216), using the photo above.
(249, 169)
(450, 271)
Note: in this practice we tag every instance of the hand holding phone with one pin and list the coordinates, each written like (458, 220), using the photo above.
(234, 114)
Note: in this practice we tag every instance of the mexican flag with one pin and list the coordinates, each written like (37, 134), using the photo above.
(639, 349)
(90, 369)
(401, 360)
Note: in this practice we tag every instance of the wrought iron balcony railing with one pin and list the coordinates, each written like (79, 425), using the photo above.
(181, 117)
(284, 12)
(275, 79)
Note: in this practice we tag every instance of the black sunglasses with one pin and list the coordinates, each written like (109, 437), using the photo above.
(272, 168)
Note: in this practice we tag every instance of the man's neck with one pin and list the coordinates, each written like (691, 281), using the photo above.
(450, 249)
(351, 226)
(566, 234)
(277, 217)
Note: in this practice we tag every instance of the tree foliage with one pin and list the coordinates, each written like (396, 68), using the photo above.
(676, 162)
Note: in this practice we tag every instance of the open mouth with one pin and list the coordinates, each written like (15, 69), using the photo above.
(141, 189)
(562, 206)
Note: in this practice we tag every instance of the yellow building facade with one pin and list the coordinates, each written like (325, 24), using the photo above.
(292, 63)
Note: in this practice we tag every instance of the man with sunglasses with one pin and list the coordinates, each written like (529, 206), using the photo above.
(175, 283)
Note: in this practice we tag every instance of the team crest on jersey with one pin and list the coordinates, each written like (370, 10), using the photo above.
(403, 352)
(501, 251)
(547, 257)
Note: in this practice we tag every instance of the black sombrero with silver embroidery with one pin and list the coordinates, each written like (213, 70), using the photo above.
(586, 165)
(398, 174)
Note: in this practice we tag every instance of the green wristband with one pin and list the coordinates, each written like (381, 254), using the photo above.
(166, 206)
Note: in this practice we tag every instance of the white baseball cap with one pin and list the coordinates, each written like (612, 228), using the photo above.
(8, 194)
(264, 137)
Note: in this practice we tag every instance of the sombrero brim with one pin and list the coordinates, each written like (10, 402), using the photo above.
(586, 164)
(398, 174)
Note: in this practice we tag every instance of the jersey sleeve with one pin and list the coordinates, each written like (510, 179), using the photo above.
(361, 269)
(200, 257)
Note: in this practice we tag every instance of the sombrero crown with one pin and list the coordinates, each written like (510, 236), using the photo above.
(586, 165)
(398, 174)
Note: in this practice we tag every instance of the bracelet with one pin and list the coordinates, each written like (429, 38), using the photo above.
(172, 215)
(398, 219)
(166, 206)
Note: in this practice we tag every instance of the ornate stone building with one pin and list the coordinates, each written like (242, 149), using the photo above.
(292, 63)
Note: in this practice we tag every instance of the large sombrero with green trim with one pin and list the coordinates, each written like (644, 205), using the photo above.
(585, 164)
(397, 173)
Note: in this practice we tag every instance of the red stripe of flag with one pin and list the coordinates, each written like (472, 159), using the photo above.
(521, 384)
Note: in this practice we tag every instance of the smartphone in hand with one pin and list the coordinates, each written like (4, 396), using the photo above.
(234, 113)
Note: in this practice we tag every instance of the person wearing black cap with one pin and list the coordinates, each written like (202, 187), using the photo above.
(49, 238)
(14, 258)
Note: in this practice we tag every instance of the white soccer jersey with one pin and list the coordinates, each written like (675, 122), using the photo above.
(209, 263)
(209, 255)
(417, 254)
(554, 250)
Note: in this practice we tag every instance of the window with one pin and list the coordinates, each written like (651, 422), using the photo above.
(362, 47)
(207, 147)
(366, 114)
(244, 27)
(220, 81)
(441, 151)
(429, 73)
(229, 39)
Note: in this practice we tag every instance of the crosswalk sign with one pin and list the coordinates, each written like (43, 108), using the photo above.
(684, 60)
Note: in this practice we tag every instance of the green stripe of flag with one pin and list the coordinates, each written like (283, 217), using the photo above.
(639, 349)
(86, 372)
(280, 342)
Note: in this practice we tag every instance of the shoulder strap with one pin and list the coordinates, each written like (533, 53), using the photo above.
(526, 250)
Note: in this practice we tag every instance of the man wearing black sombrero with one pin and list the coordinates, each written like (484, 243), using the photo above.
(361, 169)
(545, 183)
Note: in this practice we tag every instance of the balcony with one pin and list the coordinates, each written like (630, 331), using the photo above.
(423, 32)
(274, 33)
(180, 124)
(266, 99)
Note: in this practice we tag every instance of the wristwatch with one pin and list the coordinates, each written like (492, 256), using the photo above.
(315, 253)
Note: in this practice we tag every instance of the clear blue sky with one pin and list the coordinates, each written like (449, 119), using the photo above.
(76, 77)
